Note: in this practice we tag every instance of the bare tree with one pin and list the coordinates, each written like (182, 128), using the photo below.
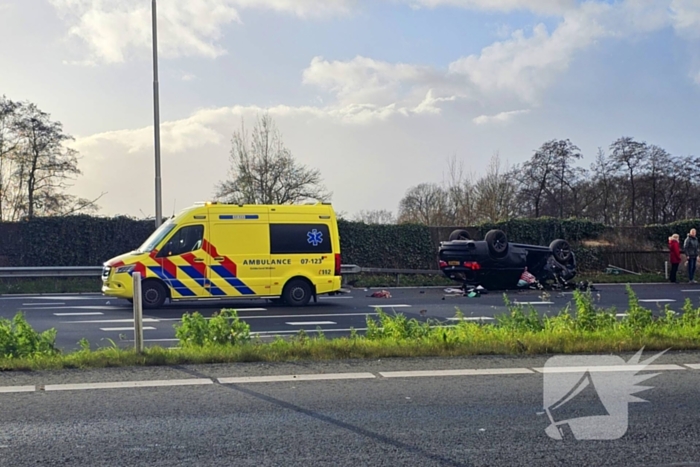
(263, 170)
(9, 142)
(629, 155)
(379, 216)
(496, 193)
(461, 191)
(42, 167)
(426, 203)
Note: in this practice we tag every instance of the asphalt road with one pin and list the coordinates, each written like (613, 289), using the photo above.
(374, 418)
(98, 318)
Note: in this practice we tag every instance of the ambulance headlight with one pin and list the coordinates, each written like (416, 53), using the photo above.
(125, 269)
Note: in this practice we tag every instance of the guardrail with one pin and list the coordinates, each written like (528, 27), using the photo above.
(95, 271)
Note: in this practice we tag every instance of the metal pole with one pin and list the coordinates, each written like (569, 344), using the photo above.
(156, 114)
(138, 313)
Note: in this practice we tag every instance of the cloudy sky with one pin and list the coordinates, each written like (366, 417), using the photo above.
(377, 94)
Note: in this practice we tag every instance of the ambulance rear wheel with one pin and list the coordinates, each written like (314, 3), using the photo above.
(153, 294)
(297, 292)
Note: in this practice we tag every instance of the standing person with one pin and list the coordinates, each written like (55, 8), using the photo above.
(690, 246)
(674, 248)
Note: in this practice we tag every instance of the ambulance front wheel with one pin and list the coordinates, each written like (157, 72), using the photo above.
(154, 294)
(297, 292)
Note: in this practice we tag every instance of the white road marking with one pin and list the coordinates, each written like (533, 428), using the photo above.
(691, 290)
(621, 315)
(85, 307)
(87, 313)
(309, 323)
(335, 298)
(331, 315)
(480, 372)
(158, 340)
(43, 304)
(608, 368)
(534, 303)
(308, 377)
(129, 384)
(471, 318)
(655, 300)
(8, 389)
(263, 333)
(96, 321)
(145, 328)
(388, 305)
(694, 366)
(59, 298)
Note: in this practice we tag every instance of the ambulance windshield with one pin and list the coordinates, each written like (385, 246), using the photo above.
(156, 237)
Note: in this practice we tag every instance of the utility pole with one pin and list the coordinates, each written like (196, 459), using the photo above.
(156, 115)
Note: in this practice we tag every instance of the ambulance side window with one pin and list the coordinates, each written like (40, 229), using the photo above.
(185, 240)
(300, 239)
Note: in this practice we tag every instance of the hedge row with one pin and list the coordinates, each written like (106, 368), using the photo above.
(658, 234)
(86, 240)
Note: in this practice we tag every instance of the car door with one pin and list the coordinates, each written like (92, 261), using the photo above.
(183, 262)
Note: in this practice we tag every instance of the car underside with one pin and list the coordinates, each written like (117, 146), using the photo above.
(497, 264)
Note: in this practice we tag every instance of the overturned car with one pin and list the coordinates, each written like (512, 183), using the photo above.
(497, 264)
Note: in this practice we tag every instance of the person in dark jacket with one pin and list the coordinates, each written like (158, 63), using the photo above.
(674, 248)
(690, 247)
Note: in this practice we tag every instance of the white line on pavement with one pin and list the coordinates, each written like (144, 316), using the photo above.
(97, 321)
(694, 366)
(94, 307)
(87, 313)
(145, 328)
(129, 384)
(43, 304)
(8, 389)
(471, 318)
(264, 333)
(621, 315)
(534, 303)
(59, 297)
(332, 315)
(608, 368)
(309, 323)
(335, 298)
(481, 372)
(691, 290)
(388, 305)
(655, 300)
(308, 377)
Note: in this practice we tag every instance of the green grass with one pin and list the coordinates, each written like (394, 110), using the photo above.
(50, 285)
(225, 338)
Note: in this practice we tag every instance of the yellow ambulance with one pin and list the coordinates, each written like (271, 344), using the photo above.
(287, 253)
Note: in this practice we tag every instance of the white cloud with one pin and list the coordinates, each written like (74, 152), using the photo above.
(114, 31)
(189, 77)
(503, 117)
(686, 17)
(554, 7)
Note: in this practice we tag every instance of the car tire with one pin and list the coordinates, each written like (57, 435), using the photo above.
(561, 250)
(460, 234)
(297, 293)
(153, 295)
(497, 242)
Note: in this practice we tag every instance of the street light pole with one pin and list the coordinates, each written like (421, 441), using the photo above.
(156, 115)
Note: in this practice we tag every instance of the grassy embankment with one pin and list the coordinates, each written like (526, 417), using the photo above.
(225, 338)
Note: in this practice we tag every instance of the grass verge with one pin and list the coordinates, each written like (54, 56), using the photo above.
(225, 338)
(50, 285)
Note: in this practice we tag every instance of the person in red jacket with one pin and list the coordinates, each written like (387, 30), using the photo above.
(674, 247)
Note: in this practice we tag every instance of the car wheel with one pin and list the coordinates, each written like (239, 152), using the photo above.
(297, 292)
(561, 250)
(153, 294)
(497, 242)
(459, 235)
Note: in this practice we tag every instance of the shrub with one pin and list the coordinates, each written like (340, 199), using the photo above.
(19, 339)
(223, 328)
